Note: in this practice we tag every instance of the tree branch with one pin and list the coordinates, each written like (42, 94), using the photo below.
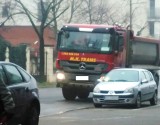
(10, 16)
(27, 12)
(47, 24)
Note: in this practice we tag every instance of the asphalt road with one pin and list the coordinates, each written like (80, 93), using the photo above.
(52, 102)
(147, 115)
(55, 110)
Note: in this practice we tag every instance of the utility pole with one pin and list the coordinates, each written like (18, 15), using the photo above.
(130, 14)
(129, 28)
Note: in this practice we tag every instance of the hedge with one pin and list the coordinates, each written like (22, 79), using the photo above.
(17, 54)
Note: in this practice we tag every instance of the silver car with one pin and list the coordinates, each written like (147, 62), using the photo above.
(126, 86)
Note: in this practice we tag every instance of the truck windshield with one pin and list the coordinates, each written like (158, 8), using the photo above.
(85, 42)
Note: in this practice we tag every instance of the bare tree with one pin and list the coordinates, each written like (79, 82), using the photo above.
(56, 13)
(132, 17)
(112, 12)
(97, 12)
(46, 9)
(91, 11)
(74, 6)
(7, 11)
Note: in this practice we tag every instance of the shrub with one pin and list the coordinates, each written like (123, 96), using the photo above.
(3, 45)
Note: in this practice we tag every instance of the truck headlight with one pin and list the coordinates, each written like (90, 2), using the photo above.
(60, 76)
(96, 89)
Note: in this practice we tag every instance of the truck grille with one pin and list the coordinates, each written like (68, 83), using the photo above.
(89, 67)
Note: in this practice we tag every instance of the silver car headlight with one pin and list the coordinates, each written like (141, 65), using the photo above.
(131, 90)
(96, 89)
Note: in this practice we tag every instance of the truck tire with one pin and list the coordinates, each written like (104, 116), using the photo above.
(83, 94)
(69, 93)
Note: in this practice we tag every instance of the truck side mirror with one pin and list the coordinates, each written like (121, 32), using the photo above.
(120, 40)
(120, 43)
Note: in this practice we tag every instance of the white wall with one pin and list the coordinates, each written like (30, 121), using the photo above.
(157, 30)
(157, 23)
(31, 64)
(49, 64)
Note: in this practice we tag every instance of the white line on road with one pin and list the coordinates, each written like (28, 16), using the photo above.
(158, 105)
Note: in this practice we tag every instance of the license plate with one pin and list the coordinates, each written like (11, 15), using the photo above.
(82, 78)
(111, 97)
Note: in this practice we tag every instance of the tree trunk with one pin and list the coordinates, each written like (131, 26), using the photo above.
(41, 51)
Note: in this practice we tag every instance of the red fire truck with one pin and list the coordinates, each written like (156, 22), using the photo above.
(87, 52)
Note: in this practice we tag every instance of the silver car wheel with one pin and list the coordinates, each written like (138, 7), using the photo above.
(96, 105)
(138, 101)
(154, 100)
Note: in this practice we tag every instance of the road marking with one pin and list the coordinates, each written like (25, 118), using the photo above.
(148, 107)
(65, 111)
(111, 118)
(110, 109)
(74, 119)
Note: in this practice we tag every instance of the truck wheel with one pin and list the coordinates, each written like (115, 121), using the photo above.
(69, 93)
(83, 94)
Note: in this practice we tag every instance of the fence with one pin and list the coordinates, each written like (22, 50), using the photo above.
(31, 63)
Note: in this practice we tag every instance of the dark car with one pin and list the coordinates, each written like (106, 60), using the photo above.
(24, 91)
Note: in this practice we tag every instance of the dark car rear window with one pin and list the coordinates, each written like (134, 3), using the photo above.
(2, 75)
(13, 74)
(25, 75)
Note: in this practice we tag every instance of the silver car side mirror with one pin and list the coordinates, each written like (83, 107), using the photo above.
(99, 80)
(144, 81)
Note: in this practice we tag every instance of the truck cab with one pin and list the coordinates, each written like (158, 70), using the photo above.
(85, 52)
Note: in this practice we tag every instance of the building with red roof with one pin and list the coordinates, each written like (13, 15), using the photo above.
(17, 35)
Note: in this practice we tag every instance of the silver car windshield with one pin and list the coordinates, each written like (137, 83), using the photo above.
(122, 76)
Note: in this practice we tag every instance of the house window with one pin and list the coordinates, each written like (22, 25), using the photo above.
(151, 28)
(152, 8)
